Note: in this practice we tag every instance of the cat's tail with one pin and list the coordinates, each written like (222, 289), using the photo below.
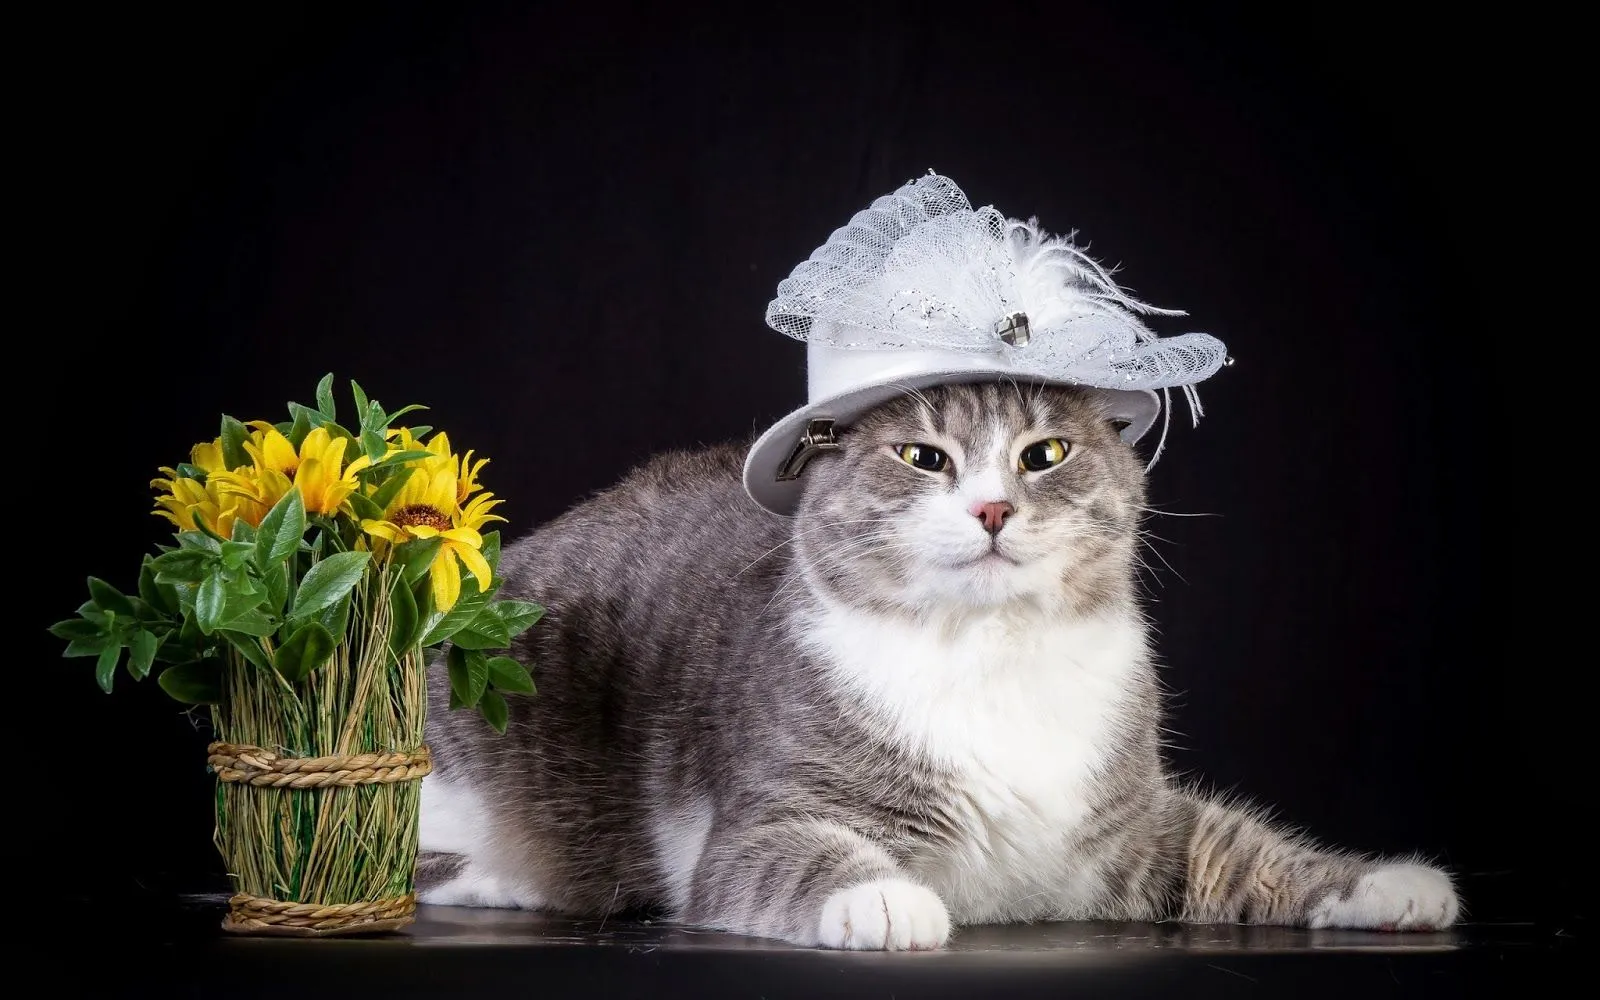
(1240, 866)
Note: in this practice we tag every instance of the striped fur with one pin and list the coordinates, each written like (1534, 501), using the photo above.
(863, 726)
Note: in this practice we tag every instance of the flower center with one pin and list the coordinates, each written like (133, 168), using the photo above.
(422, 514)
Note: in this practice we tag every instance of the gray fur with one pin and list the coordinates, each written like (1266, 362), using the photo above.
(671, 685)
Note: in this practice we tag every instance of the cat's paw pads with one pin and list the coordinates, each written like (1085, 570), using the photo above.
(887, 915)
(1395, 897)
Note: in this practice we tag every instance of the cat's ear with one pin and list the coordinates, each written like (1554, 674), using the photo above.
(1118, 425)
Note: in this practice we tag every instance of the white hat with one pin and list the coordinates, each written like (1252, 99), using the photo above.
(919, 289)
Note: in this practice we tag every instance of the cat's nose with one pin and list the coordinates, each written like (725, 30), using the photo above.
(993, 514)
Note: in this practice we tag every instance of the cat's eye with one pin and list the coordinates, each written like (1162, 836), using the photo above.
(923, 456)
(1041, 455)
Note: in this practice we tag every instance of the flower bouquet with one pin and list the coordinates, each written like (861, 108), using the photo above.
(313, 569)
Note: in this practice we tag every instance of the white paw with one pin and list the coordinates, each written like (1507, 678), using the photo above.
(887, 915)
(471, 888)
(1396, 897)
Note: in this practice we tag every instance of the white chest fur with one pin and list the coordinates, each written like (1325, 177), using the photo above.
(1022, 711)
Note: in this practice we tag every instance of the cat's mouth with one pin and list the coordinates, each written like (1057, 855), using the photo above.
(994, 557)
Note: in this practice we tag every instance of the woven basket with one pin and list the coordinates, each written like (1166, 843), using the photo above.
(319, 783)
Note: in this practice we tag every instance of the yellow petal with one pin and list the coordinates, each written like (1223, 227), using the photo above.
(445, 575)
(466, 536)
(422, 530)
(440, 445)
(333, 453)
(313, 487)
(316, 439)
(278, 453)
(383, 529)
(477, 513)
(208, 456)
(474, 561)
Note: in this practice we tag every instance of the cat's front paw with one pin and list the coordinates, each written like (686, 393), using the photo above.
(887, 915)
(1395, 897)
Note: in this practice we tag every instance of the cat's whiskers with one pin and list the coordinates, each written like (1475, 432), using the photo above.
(797, 535)
(1174, 513)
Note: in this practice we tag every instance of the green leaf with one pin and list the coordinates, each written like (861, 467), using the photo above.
(242, 532)
(87, 647)
(235, 553)
(408, 408)
(440, 627)
(359, 396)
(301, 426)
(365, 508)
(336, 616)
(282, 529)
(234, 436)
(187, 471)
(491, 549)
(391, 487)
(417, 555)
(275, 579)
(486, 631)
(193, 683)
(404, 620)
(519, 616)
(108, 598)
(249, 622)
(402, 457)
(493, 708)
(420, 431)
(153, 592)
(248, 647)
(208, 604)
(314, 417)
(77, 628)
(306, 650)
(469, 674)
(186, 565)
(325, 397)
(329, 580)
(373, 443)
(142, 653)
(106, 667)
(509, 675)
(204, 539)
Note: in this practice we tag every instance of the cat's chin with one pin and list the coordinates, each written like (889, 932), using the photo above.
(989, 580)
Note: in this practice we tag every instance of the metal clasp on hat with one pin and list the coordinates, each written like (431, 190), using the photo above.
(817, 437)
(1013, 329)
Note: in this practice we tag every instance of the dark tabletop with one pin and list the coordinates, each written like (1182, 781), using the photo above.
(177, 950)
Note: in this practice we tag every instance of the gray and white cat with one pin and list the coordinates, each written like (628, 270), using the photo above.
(927, 700)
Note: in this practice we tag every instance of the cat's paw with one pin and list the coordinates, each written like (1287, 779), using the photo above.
(1395, 897)
(471, 887)
(888, 915)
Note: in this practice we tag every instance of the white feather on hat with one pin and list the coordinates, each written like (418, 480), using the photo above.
(921, 289)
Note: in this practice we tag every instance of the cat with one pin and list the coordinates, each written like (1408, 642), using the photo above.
(927, 700)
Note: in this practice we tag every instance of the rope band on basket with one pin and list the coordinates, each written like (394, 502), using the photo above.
(257, 913)
(252, 765)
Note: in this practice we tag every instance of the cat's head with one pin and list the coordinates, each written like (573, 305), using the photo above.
(975, 496)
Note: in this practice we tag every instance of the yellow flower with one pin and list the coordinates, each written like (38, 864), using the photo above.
(429, 506)
(317, 468)
(183, 501)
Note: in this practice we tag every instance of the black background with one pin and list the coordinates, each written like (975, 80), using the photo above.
(560, 231)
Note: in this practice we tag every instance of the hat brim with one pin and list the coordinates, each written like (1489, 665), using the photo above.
(768, 455)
